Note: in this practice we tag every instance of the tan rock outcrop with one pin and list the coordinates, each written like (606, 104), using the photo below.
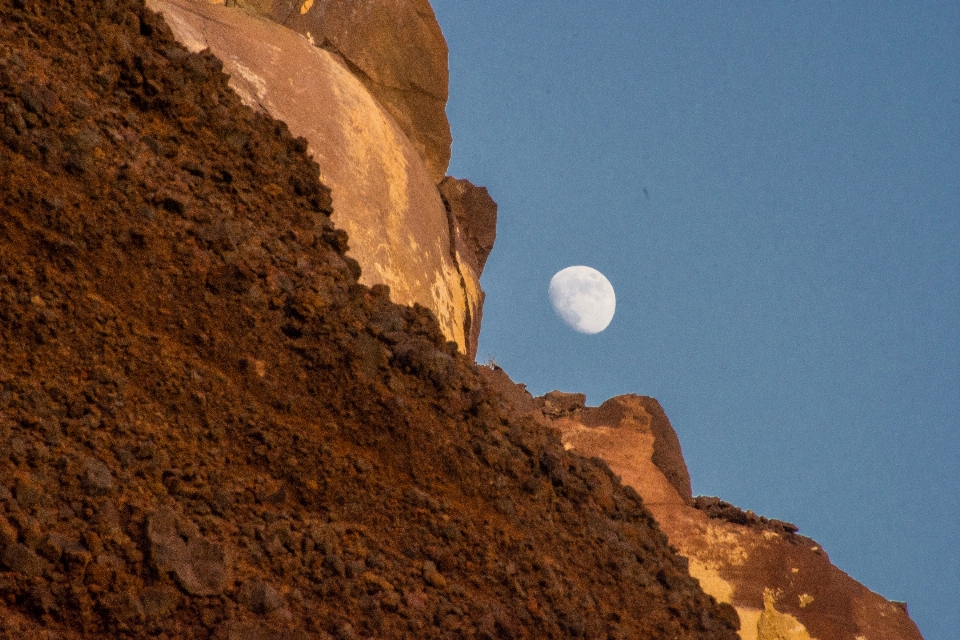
(395, 47)
(383, 194)
(783, 585)
(473, 226)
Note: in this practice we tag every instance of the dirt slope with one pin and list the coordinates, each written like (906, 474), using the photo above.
(208, 429)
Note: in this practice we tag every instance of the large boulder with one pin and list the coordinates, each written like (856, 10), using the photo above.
(782, 584)
(383, 194)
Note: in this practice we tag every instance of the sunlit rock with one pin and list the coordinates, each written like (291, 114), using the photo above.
(395, 47)
(383, 194)
(782, 584)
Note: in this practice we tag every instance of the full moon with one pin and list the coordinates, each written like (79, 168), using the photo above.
(583, 298)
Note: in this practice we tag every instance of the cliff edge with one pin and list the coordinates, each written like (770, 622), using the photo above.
(365, 129)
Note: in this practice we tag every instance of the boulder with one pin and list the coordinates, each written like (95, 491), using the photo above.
(383, 194)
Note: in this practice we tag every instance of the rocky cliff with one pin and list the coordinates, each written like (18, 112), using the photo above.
(394, 47)
(234, 396)
(209, 428)
(782, 584)
(355, 82)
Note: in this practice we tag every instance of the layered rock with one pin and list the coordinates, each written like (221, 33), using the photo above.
(782, 584)
(384, 195)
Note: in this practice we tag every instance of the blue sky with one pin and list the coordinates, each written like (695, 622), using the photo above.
(774, 191)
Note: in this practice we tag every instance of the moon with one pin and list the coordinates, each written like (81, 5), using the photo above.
(583, 298)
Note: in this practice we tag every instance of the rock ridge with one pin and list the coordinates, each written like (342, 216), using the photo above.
(781, 583)
(401, 233)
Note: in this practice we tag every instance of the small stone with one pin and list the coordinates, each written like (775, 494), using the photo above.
(200, 567)
(377, 582)
(416, 600)
(8, 535)
(41, 600)
(354, 568)
(435, 579)
(21, 559)
(31, 531)
(334, 563)
(17, 449)
(346, 632)
(55, 546)
(432, 576)
(260, 597)
(221, 502)
(97, 479)
(27, 493)
(160, 600)
(124, 606)
(390, 601)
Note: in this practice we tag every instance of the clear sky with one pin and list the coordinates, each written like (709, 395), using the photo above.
(774, 191)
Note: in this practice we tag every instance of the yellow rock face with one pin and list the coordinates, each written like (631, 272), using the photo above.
(394, 47)
(383, 195)
(774, 625)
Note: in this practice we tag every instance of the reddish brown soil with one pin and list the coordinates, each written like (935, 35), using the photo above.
(208, 429)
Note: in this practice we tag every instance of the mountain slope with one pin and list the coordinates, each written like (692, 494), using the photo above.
(209, 429)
